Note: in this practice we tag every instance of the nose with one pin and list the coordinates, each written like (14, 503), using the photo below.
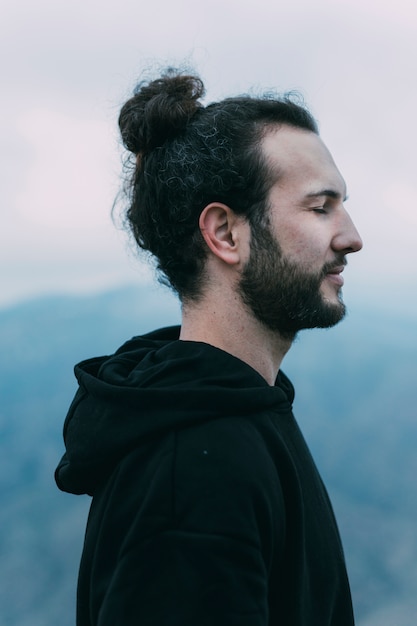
(347, 239)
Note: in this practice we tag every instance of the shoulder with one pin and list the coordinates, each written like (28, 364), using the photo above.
(225, 480)
(225, 443)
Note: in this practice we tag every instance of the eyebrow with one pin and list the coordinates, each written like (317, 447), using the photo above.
(330, 193)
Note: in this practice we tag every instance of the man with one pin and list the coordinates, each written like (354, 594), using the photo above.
(207, 506)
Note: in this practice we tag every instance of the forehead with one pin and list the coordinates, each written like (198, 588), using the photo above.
(301, 160)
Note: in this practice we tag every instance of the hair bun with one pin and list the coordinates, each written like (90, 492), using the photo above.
(159, 110)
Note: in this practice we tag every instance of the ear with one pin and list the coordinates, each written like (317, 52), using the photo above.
(221, 229)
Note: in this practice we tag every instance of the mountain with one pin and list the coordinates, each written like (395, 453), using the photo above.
(356, 399)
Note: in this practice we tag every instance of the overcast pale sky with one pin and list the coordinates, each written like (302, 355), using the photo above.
(67, 66)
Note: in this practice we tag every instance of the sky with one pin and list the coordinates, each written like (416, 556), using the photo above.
(68, 66)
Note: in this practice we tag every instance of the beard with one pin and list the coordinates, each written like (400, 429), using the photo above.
(284, 296)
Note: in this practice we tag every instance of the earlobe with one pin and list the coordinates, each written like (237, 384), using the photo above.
(219, 227)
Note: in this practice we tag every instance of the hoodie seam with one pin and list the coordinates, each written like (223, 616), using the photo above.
(173, 481)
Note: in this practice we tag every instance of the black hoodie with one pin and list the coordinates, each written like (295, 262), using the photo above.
(207, 507)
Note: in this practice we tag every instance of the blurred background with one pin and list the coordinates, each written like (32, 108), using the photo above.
(72, 287)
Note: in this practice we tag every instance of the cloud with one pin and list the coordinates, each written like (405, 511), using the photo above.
(72, 172)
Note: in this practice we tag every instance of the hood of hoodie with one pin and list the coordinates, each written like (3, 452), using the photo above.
(152, 384)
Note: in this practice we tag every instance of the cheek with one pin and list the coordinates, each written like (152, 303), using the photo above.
(304, 251)
(303, 241)
(305, 245)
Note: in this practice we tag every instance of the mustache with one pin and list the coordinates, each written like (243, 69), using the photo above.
(337, 263)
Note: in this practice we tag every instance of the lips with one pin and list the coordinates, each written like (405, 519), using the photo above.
(334, 275)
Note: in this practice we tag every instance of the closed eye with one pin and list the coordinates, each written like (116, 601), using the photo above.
(320, 210)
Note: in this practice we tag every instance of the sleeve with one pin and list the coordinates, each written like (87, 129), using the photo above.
(185, 578)
(203, 557)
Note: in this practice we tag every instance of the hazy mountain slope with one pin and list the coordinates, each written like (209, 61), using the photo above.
(358, 383)
(356, 399)
(42, 529)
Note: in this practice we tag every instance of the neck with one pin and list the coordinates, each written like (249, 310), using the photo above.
(234, 330)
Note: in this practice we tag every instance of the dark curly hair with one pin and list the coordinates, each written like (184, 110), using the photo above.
(188, 155)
